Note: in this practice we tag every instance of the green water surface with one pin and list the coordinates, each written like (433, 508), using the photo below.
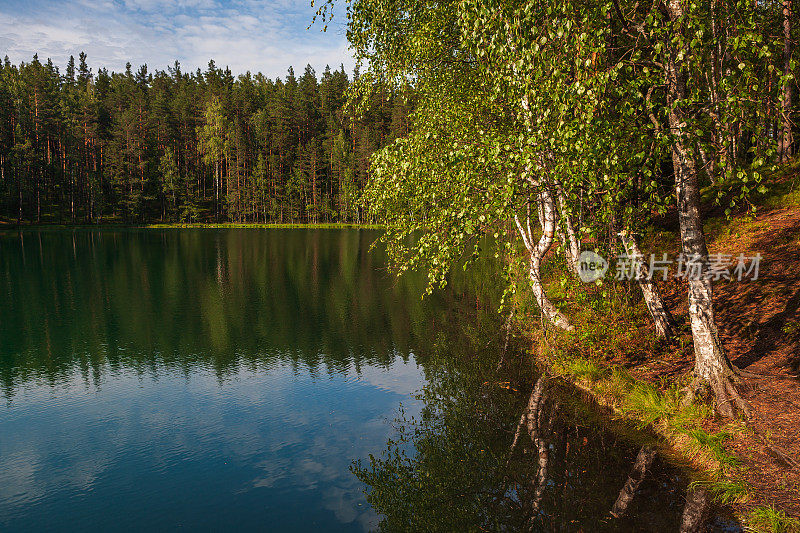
(221, 379)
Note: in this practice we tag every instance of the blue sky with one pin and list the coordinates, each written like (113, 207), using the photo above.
(259, 36)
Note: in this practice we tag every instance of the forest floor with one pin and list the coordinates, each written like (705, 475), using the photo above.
(752, 465)
(759, 324)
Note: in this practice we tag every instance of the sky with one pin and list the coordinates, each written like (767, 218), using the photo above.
(245, 35)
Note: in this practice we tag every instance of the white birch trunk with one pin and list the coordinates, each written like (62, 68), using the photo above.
(537, 252)
(662, 318)
(712, 366)
(572, 245)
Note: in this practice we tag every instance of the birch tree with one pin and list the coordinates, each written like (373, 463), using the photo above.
(523, 103)
(211, 137)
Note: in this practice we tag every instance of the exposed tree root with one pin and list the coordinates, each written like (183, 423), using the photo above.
(780, 455)
(726, 394)
(755, 375)
(734, 399)
(729, 400)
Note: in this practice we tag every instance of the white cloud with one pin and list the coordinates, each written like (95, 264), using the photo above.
(404, 379)
(243, 35)
(264, 421)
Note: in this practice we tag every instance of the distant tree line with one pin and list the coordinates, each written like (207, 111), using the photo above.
(169, 146)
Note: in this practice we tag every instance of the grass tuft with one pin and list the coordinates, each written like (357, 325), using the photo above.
(771, 520)
(714, 443)
(725, 491)
(648, 403)
(584, 369)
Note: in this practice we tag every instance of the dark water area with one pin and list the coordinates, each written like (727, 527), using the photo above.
(242, 379)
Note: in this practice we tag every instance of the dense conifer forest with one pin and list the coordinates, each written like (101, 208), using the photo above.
(78, 146)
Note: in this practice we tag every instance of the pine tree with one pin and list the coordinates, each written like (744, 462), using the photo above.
(141, 146)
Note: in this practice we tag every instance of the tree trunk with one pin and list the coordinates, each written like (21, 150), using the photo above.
(712, 367)
(216, 189)
(785, 143)
(548, 224)
(534, 421)
(643, 461)
(695, 511)
(572, 245)
(662, 318)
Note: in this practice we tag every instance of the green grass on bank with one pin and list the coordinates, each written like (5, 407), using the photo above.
(660, 407)
(612, 332)
(177, 225)
(769, 519)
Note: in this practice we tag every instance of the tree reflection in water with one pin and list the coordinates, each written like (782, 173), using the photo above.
(489, 453)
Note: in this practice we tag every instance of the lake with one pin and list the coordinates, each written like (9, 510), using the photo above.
(210, 379)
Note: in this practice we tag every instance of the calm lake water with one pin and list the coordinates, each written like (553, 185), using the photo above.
(221, 379)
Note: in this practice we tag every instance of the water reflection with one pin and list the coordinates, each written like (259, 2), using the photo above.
(216, 379)
(199, 378)
(141, 299)
(513, 450)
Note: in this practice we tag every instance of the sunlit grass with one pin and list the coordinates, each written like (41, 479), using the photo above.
(662, 407)
(714, 443)
(583, 369)
(651, 405)
(725, 491)
(665, 411)
(770, 520)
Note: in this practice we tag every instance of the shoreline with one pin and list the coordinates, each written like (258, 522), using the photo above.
(195, 225)
(749, 465)
(700, 447)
